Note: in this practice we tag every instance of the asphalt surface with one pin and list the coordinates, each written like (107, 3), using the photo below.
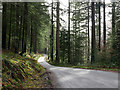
(81, 78)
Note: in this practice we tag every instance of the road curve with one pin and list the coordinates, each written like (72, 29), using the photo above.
(81, 78)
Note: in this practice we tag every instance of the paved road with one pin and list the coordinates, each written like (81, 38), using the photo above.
(81, 78)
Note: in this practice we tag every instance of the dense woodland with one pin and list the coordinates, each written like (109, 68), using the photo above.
(38, 28)
(25, 27)
(87, 40)
(25, 33)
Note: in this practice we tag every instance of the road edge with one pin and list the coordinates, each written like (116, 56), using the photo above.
(53, 79)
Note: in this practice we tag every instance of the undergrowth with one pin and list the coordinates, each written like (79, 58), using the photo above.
(22, 71)
(86, 66)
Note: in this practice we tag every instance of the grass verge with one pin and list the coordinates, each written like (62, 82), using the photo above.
(92, 67)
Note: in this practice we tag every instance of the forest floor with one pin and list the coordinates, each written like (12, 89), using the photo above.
(23, 71)
(68, 77)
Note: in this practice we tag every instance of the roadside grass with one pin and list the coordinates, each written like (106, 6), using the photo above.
(87, 66)
(23, 71)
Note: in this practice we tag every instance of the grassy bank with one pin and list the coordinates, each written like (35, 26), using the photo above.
(23, 71)
(87, 66)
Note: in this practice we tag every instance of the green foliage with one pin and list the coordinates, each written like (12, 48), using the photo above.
(18, 70)
(95, 66)
(20, 19)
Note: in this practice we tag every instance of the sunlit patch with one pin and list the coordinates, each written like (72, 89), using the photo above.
(41, 59)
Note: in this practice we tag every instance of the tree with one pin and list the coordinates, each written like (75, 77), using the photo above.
(104, 26)
(17, 28)
(93, 34)
(10, 28)
(113, 32)
(63, 45)
(24, 37)
(99, 45)
(4, 27)
(69, 33)
(75, 33)
(113, 23)
(88, 34)
(117, 37)
(57, 32)
(31, 41)
(20, 26)
(35, 40)
(52, 32)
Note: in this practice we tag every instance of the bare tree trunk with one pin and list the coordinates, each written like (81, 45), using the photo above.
(35, 41)
(26, 26)
(31, 36)
(88, 35)
(69, 61)
(99, 45)
(113, 23)
(21, 22)
(52, 34)
(57, 33)
(76, 35)
(4, 26)
(17, 28)
(24, 37)
(104, 26)
(93, 34)
(9, 41)
(113, 32)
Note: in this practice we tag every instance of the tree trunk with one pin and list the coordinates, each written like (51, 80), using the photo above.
(93, 35)
(52, 34)
(17, 28)
(21, 22)
(104, 26)
(63, 55)
(23, 31)
(99, 45)
(88, 35)
(26, 27)
(69, 61)
(113, 24)
(31, 37)
(57, 33)
(76, 35)
(9, 40)
(35, 41)
(24, 37)
(4, 26)
(113, 33)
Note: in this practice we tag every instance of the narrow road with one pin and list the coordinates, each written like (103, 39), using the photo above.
(81, 78)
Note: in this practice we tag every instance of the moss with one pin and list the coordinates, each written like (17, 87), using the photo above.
(20, 71)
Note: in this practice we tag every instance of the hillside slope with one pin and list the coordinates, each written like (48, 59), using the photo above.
(23, 72)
